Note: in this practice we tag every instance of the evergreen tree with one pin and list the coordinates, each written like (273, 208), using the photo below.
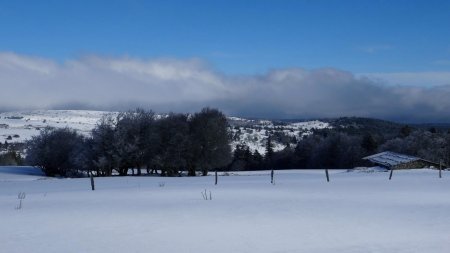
(432, 130)
(257, 162)
(269, 153)
(238, 163)
(405, 131)
(369, 144)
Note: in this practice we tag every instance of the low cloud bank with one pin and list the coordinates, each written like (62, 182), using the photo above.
(187, 85)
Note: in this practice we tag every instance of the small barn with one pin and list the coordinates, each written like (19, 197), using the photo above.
(392, 160)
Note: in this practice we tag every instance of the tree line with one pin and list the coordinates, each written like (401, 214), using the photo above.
(195, 144)
(336, 149)
(134, 141)
(10, 154)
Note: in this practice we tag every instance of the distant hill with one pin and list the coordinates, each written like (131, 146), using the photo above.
(17, 127)
(356, 125)
(438, 126)
(254, 133)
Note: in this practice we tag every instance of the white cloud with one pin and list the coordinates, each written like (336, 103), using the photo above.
(187, 85)
(13, 62)
(419, 79)
(32, 82)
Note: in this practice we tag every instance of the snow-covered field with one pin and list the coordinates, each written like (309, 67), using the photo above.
(355, 212)
(21, 126)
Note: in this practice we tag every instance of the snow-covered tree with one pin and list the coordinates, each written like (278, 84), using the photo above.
(103, 148)
(174, 150)
(210, 141)
(53, 151)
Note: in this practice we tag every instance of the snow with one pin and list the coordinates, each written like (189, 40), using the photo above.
(254, 133)
(355, 212)
(15, 173)
(26, 124)
(389, 158)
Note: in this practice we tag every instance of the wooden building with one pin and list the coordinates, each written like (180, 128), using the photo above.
(392, 160)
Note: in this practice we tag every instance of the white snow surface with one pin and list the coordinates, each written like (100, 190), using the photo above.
(25, 124)
(354, 212)
(20, 173)
(254, 133)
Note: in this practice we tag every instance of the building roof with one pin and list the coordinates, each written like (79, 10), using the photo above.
(390, 159)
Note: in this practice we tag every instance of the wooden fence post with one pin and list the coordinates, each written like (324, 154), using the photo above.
(216, 178)
(271, 177)
(390, 175)
(327, 175)
(440, 169)
(92, 181)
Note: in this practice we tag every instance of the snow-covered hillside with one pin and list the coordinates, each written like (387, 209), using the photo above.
(254, 133)
(354, 213)
(20, 126)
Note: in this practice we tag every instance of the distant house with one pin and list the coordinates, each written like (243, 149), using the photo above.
(392, 160)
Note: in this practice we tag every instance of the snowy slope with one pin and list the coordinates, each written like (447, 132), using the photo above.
(20, 126)
(254, 133)
(354, 213)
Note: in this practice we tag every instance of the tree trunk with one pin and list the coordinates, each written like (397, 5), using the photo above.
(123, 172)
(139, 170)
(191, 172)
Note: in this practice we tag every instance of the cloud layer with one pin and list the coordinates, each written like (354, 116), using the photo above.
(187, 85)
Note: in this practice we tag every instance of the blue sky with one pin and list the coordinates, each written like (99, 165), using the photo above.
(238, 37)
(277, 59)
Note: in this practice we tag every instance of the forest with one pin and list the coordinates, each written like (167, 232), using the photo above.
(343, 147)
